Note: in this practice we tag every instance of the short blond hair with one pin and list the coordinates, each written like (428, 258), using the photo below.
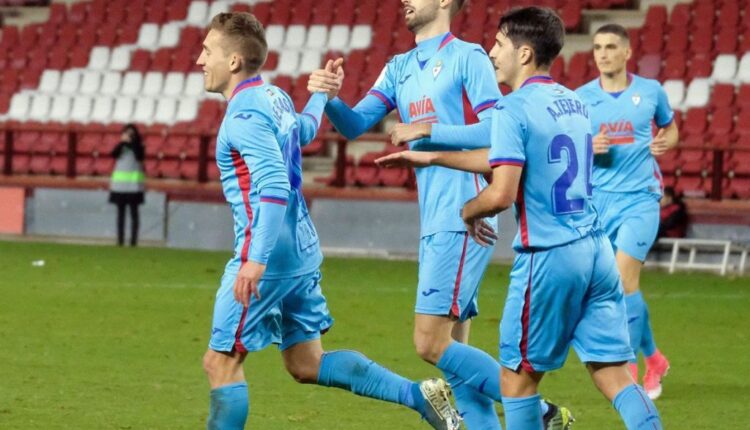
(245, 35)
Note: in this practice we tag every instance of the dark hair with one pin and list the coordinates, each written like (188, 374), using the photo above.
(539, 27)
(245, 34)
(137, 139)
(614, 29)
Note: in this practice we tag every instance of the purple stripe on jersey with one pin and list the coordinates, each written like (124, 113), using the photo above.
(667, 124)
(538, 80)
(506, 162)
(315, 120)
(446, 40)
(383, 98)
(273, 199)
(247, 83)
(484, 106)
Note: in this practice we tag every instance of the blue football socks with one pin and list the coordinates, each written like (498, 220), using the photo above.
(229, 407)
(636, 409)
(523, 413)
(635, 307)
(352, 371)
(477, 410)
(648, 346)
(473, 366)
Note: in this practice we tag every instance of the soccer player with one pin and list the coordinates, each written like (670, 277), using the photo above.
(627, 179)
(564, 287)
(439, 88)
(270, 291)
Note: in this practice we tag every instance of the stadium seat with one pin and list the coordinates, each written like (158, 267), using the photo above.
(288, 62)
(675, 66)
(720, 127)
(311, 60)
(361, 37)
(743, 124)
(317, 38)
(152, 84)
(144, 111)
(722, 96)
(725, 68)
(726, 41)
(675, 90)
(123, 110)
(148, 36)
(81, 109)
(61, 106)
(743, 71)
(743, 97)
(194, 85)
(217, 7)
(174, 84)
(131, 84)
(70, 81)
(120, 58)
(695, 121)
(197, 13)
(169, 37)
(295, 37)
(99, 58)
(40, 107)
(275, 37)
(111, 83)
(697, 93)
(338, 38)
(187, 110)
(50, 81)
(90, 82)
(165, 110)
(102, 110)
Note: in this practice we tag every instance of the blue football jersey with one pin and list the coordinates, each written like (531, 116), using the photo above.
(627, 118)
(259, 159)
(545, 128)
(443, 80)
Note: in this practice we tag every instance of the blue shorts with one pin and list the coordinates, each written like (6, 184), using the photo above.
(631, 220)
(451, 266)
(563, 296)
(290, 311)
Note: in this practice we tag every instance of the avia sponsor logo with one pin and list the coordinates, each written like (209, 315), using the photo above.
(422, 110)
(619, 133)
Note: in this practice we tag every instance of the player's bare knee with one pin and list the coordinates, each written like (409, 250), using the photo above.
(429, 348)
(302, 372)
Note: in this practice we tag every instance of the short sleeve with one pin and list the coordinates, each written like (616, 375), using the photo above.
(480, 83)
(664, 114)
(509, 130)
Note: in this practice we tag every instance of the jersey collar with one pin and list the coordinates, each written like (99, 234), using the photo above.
(429, 47)
(255, 81)
(617, 94)
(539, 79)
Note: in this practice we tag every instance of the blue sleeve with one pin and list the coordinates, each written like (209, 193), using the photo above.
(309, 120)
(252, 134)
(664, 114)
(378, 103)
(509, 132)
(473, 136)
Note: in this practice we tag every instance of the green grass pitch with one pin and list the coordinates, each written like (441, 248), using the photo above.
(108, 338)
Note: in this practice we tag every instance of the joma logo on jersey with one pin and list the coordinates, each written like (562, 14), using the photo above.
(620, 132)
(421, 107)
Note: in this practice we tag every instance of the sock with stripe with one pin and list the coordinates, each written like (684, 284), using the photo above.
(523, 413)
(635, 305)
(229, 407)
(352, 371)
(636, 409)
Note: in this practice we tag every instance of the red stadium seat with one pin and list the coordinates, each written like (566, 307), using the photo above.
(656, 17)
(722, 96)
(652, 40)
(140, 61)
(677, 40)
(701, 66)
(40, 164)
(695, 121)
(722, 122)
(743, 123)
(169, 168)
(680, 17)
(21, 164)
(743, 97)
(675, 66)
(262, 12)
(739, 188)
(59, 165)
(726, 41)
(702, 41)
(161, 60)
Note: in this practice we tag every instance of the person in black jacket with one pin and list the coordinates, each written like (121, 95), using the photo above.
(127, 182)
(673, 216)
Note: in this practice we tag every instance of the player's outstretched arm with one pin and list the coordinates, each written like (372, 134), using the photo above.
(309, 120)
(666, 139)
(473, 136)
(499, 195)
(469, 161)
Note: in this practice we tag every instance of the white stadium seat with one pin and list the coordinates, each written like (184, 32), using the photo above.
(70, 81)
(317, 37)
(725, 68)
(50, 81)
(148, 36)
(165, 110)
(295, 36)
(198, 13)
(187, 110)
(194, 85)
(40, 106)
(111, 82)
(152, 84)
(81, 109)
(743, 71)
(144, 110)
(19, 106)
(288, 62)
(60, 108)
(310, 61)
(697, 93)
(174, 83)
(217, 7)
(119, 60)
(91, 82)
(675, 90)
(102, 110)
(131, 84)
(361, 37)
(169, 36)
(123, 110)
(99, 58)
(274, 37)
(338, 38)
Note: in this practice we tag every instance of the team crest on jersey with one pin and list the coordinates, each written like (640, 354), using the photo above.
(436, 70)
(636, 99)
